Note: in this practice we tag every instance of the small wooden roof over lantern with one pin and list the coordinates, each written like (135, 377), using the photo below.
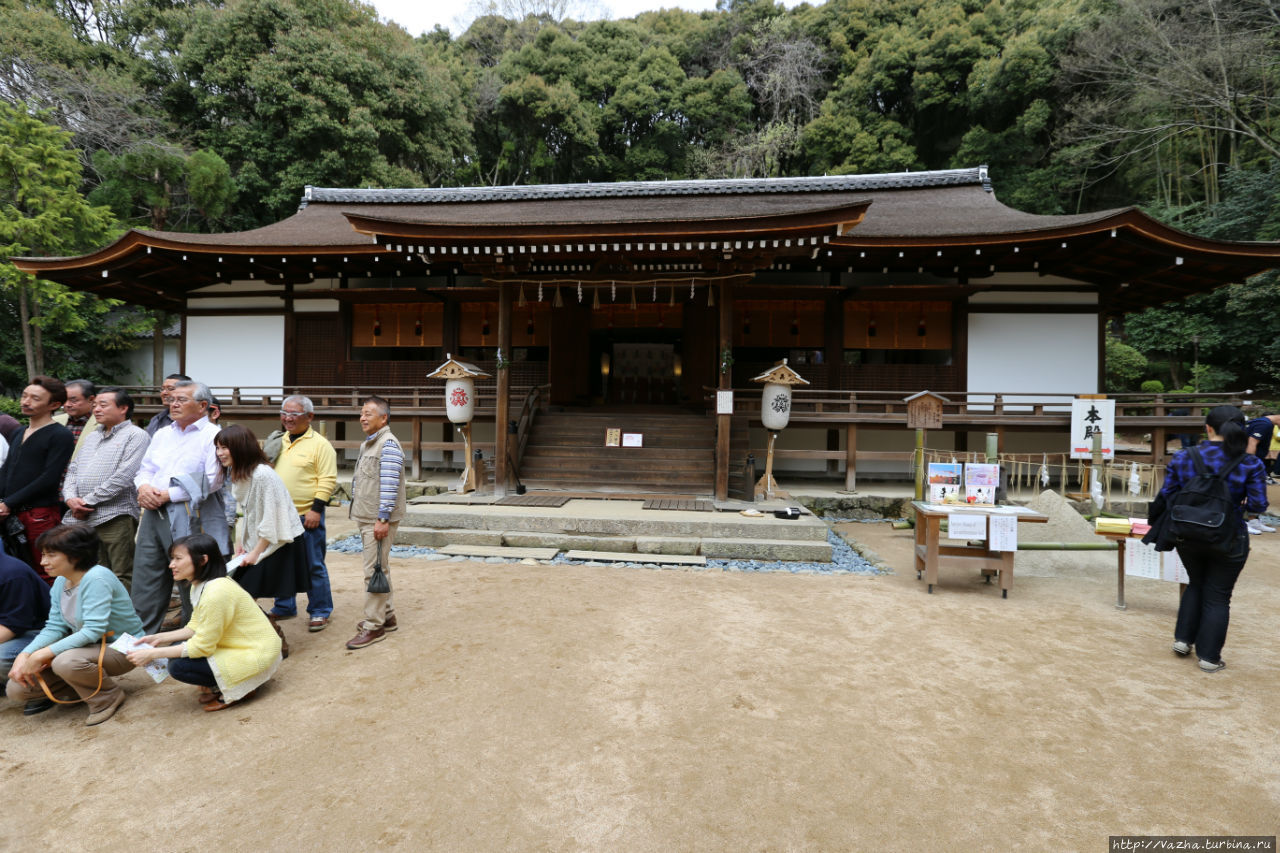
(924, 410)
(454, 369)
(781, 374)
(775, 407)
(459, 389)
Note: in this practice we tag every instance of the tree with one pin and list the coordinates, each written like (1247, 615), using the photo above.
(42, 213)
(296, 92)
(1125, 365)
(1174, 90)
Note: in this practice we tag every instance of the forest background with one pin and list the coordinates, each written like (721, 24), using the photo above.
(194, 115)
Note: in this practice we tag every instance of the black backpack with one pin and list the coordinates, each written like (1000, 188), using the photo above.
(1202, 514)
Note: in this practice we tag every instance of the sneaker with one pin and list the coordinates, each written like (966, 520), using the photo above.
(36, 706)
(389, 624)
(1181, 648)
(318, 623)
(1255, 529)
(274, 615)
(1266, 528)
(1210, 666)
(366, 637)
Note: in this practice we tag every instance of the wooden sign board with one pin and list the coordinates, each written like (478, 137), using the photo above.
(924, 411)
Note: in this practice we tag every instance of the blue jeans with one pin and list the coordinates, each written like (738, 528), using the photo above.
(320, 598)
(10, 650)
(192, 671)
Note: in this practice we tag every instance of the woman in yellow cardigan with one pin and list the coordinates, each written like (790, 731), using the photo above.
(229, 648)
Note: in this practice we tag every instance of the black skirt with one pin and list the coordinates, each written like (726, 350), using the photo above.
(282, 574)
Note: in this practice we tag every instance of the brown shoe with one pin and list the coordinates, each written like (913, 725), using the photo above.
(106, 713)
(367, 637)
(389, 624)
(318, 623)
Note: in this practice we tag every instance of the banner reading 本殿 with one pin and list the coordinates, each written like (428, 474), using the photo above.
(1090, 418)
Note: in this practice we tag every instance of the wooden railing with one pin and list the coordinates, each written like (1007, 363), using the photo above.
(340, 405)
(535, 401)
(974, 411)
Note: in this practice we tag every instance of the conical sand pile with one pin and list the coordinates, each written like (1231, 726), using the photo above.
(1064, 525)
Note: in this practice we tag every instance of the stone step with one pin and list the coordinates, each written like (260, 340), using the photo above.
(565, 541)
(500, 551)
(429, 537)
(631, 557)
(660, 523)
(767, 549)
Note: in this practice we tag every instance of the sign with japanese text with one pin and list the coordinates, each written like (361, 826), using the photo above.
(1090, 418)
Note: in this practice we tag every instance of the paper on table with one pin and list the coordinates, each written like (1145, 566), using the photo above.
(157, 669)
(963, 525)
(1141, 560)
(1004, 533)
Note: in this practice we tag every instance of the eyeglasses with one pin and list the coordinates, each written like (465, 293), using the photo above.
(181, 401)
(291, 415)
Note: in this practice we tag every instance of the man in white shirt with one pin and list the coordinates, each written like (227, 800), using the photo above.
(180, 492)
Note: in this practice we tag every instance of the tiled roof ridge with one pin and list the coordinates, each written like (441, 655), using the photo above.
(635, 189)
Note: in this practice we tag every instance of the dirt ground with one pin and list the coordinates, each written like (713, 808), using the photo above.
(564, 709)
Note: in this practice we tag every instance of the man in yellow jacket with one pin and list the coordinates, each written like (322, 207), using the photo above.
(308, 465)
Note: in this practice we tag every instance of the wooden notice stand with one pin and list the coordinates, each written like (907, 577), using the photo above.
(930, 554)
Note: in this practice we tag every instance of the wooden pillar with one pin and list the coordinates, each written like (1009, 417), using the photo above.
(415, 443)
(724, 423)
(503, 407)
(851, 457)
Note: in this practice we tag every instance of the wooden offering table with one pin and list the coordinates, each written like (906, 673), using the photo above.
(930, 553)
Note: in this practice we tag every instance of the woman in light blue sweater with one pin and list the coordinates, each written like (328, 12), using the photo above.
(87, 604)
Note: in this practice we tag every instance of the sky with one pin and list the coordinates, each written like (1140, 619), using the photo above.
(418, 17)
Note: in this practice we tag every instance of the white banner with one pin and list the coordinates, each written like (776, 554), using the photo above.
(1090, 418)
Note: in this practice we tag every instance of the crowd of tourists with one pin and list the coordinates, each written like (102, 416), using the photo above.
(107, 524)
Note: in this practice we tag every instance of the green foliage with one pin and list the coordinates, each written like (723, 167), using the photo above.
(42, 213)
(314, 92)
(1125, 365)
(1152, 386)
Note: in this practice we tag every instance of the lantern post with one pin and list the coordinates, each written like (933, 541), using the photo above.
(775, 414)
(460, 406)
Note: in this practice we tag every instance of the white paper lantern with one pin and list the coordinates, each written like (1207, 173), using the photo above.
(460, 400)
(775, 408)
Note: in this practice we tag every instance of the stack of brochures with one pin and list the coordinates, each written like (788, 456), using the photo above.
(1112, 525)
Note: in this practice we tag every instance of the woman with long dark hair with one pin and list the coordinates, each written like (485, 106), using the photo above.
(1205, 609)
(269, 542)
(229, 648)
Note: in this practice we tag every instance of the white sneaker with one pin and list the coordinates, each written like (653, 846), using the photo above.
(1255, 529)
(1266, 528)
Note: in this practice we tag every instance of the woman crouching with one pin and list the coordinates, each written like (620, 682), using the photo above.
(229, 648)
(88, 605)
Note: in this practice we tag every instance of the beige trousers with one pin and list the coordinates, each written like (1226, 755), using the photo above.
(376, 607)
(77, 669)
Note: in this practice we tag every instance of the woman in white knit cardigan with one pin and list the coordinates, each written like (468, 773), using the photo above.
(269, 542)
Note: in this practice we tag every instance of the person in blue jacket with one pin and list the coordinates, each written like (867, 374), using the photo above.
(88, 605)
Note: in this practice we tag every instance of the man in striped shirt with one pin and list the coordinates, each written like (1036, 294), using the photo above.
(377, 506)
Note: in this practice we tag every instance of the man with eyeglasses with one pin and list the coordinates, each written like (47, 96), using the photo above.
(308, 465)
(163, 418)
(180, 491)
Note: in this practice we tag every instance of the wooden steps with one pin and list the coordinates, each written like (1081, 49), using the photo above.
(566, 449)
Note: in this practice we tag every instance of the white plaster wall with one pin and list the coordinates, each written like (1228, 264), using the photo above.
(1033, 353)
(137, 363)
(243, 351)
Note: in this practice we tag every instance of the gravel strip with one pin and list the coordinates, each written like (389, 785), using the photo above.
(845, 560)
